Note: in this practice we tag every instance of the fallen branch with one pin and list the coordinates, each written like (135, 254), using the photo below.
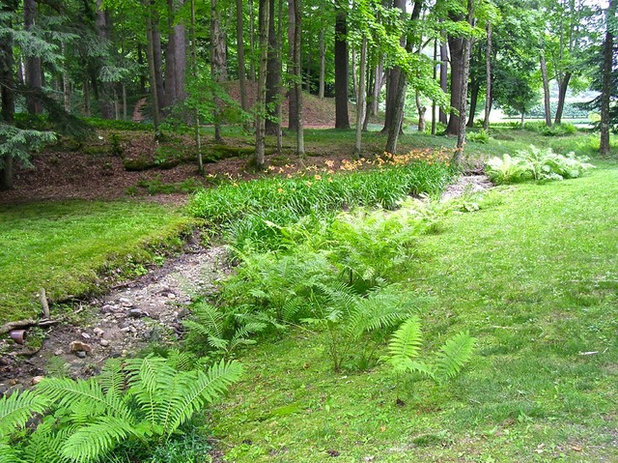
(16, 324)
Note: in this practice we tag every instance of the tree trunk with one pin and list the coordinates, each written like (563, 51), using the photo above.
(392, 79)
(321, 83)
(523, 120)
(474, 96)
(353, 70)
(170, 59)
(7, 93)
(103, 25)
(463, 95)
(273, 76)
(260, 129)
(360, 99)
(488, 53)
(395, 126)
(546, 100)
(86, 90)
(456, 49)
(140, 61)
(443, 78)
(377, 87)
(175, 58)
(251, 41)
(342, 119)
(194, 74)
(421, 112)
(608, 49)
(158, 59)
(218, 64)
(435, 75)
(368, 96)
(152, 71)
(298, 81)
(34, 80)
(563, 85)
(241, 56)
(292, 103)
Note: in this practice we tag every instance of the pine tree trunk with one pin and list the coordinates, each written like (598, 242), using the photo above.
(342, 119)
(170, 59)
(322, 79)
(360, 99)
(443, 78)
(194, 74)
(34, 80)
(105, 95)
(251, 41)
(608, 49)
(298, 81)
(218, 63)
(488, 53)
(260, 129)
(292, 102)
(546, 100)
(563, 85)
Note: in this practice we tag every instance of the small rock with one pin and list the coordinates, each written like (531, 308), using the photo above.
(98, 332)
(108, 309)
(58, 352)
(125, 302)
(125, 353)
(104, 342)
(136, 313)
(81, 354)
(37, 379)
(171, 296)
(78, 346)
(85, 336)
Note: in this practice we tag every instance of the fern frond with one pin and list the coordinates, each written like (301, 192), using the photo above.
(181, 360)
(17, 408)
(112, 377)
(204, 388)
(82, 397)
(91, 442)
(8, 454)
(211, 318)
(455, 353)
(405, 344)
(44, 445)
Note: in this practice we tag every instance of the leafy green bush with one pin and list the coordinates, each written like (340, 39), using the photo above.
(556, 130)
(536, 164)
(405, 346)
(244, 209)
(139, 405)
(113, 124)
(478, 137)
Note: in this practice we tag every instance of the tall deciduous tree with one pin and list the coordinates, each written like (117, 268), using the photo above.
(260, 107)
(342, 119)
(606, 90)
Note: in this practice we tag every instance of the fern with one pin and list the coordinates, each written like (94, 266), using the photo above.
(17, 408)
(405, 344)
(456, 352)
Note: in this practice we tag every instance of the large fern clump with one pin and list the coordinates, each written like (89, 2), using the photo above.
(140, 404)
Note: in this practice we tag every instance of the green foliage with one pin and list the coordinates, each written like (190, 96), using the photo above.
(405, 346)
(142, 402)
(245, 209)
(480, 136)
(537, 164)
(556, 130)
(19, 143)
(117, 124)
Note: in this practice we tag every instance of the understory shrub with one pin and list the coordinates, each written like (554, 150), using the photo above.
(536, 164)
(478, 137)
(555, 130)
(127, 413)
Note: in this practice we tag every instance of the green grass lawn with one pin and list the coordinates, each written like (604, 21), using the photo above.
(534, 276)
(64, 246)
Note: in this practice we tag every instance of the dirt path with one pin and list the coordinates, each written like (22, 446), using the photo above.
(467, 184)
(133, 315)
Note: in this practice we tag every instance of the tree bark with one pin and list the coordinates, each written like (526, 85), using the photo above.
(435, 75)
(443, 78)
(488, 53)
(563, 85)
(105, 94)
(194, 73)
(608, 49)
(218, 63)
(392, 79)
(298, 81)
(342, 119)
(240, 46)
(7, 93)
(421, 112)
(260, 129)
(546, 100)
(86, 90)
(456, 49)
(152, 70)
(292, 102)
(175, 58)
(360, 99)
(34, 80)
(251, 41)
(273, 76)
(321, 83)
(474, 96)
(377, 87)
(463, 96)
